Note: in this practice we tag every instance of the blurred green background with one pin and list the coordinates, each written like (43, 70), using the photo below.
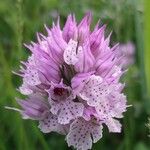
(19, 22)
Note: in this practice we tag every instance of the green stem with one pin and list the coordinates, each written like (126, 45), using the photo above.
(19, 27)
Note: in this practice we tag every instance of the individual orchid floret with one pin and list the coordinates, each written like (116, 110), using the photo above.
(30, 76)
(34, 107)
(64, 104)
(37, 108)
(127, 50)
(72, 82)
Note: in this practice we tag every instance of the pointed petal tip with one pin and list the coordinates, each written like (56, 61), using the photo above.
(38, 37)
(88, 17)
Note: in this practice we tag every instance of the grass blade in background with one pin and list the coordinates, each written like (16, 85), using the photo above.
(138, 18)
(19, 27)
(147, 44)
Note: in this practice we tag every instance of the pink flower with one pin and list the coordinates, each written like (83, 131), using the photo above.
(72, 81)
(127, 50)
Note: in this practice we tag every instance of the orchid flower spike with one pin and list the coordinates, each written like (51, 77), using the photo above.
(72, 83)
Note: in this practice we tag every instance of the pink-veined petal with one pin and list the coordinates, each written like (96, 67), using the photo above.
(95, 91)
(67, 110)
(71, 53)
(83, 133)
(50, 124)
(113, 125)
